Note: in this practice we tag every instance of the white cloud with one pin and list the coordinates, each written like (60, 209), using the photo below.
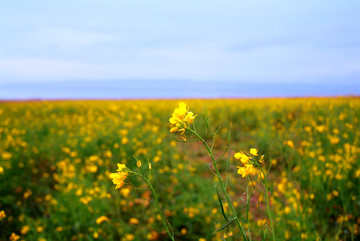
(65, 38)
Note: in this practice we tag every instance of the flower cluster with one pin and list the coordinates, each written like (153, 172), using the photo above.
(248, 168)
(119, 177)
(181, 118)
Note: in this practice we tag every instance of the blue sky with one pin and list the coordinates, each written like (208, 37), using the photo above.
(125, 49)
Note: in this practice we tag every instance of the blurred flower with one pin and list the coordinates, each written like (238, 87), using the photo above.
(289, 143)
(14, 237)
(24, 229)
(129, 237)
(39, 229)
(133, 221)
(101, 219)
(59, 229)
(2, 214)
(27, 194)
(6, 155)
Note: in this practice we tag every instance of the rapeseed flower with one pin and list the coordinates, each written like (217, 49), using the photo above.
(254, 151)
(248, 168)
(242, 157)
(119, 177)
(181, 118)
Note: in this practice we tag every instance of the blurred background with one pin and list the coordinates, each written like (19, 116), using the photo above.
(178, 49)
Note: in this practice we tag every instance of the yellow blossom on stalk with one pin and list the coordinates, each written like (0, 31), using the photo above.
(254, 151)
(248, 168)
(181, 118)
(242, 157)
(119, 177)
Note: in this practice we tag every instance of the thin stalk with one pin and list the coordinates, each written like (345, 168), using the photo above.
(157, 205)
(221, 182)
(248, 208)
(267, 202)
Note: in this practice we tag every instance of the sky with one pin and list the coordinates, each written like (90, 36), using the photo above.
(176, 49)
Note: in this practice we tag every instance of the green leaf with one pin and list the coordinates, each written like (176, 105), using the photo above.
(224, 226)
(221, 205)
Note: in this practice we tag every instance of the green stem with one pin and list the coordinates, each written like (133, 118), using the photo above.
(247, 209)
(157, 205)
(267, 202)
(221, 182)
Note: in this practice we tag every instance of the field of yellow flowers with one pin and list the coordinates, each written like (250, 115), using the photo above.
(56, 158)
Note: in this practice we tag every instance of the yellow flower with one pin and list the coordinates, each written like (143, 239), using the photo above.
(248, 169)
(133, 221)
(59, 229)
(289, 143)
(242, 157)
(92, 168)
(101, 219)
(125, 191)
(2, 214)
(24, 229)
(14, 237)
(181, 118)
(39, 229)
(287, 210)
(261, 222)
(27, 194)
(254, 151)
(138, 163)
(119, 177)
(6, 155)
(189, 117)
(129, 237)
